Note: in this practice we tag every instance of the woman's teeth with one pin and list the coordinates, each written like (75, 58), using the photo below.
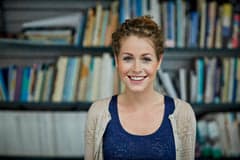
(138, 78)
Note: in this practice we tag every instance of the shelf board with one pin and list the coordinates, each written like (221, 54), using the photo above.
(199, 109)
(81, 158)
(202, 109)
(45, 106)
(38, 158)
(200, 52)
(11, 46)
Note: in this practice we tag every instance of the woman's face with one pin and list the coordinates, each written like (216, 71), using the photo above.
(137, 63)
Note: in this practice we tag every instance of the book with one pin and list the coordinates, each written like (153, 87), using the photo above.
(106, 80)
(89, 28)
(193, 86)
(200, 80)
(112, 23)
(71, 79)
(167, 83)
(3, 84)
(84, 75)
(25, 84)
(60, 77)
(183, 83)
(75, 20)
(97, 25)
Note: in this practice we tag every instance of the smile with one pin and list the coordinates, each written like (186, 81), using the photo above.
(137, 78)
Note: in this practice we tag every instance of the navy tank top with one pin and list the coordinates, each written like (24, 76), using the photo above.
(118, 144)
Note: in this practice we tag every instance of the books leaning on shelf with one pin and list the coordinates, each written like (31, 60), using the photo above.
(87, 78)
(203, 24)
(211, 80)
(71, 79)
(92, 27)
(49, 35)
(66, 29)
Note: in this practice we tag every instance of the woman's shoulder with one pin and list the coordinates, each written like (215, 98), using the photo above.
(99, 106)
(183, 108)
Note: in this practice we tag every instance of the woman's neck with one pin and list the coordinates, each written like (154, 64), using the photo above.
(141, 100)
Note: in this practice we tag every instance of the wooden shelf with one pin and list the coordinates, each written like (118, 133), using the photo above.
(199, 109)
(11, 47)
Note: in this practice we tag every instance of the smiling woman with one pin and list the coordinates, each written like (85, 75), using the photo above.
(137, 63)
(139, 123)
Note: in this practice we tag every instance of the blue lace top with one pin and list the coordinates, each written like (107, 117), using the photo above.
(118, 144)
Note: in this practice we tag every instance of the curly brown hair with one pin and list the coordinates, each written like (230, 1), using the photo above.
(142, 26)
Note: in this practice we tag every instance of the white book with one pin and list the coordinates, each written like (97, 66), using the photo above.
(84, 75)
(181, 20)
(106, 76)
(183, 83)
(167, 82)
(203, 12)
(68, 134)
(46, 134)
(74, 20)
(233, 137)
(97, 26)
(155, 11)
(220, 118)
(96, 78)
(80, 133)
(193, 87)
(11, 133)
(211, 23)
(210, 80)
(39, 82)
(3, 122)
(218, 39)
(29, 134)
(145, 10)
(59, 82)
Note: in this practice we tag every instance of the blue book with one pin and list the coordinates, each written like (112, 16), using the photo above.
(25, 84)
(194, 22)
(235, 80)
(180, 29)
(70, 77)
(200, 80)
(3, 84)
(139, 8)
(170, 41)
(81, 29)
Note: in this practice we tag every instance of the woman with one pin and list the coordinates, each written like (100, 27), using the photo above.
(139, 123)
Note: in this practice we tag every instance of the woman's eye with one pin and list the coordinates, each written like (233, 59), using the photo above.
(127, 58)
(146, 59)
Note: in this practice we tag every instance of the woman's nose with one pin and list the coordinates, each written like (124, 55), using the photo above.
(137, 67)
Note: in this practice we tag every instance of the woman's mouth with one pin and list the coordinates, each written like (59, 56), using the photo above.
(137, 78)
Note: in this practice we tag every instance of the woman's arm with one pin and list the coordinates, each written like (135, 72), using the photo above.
(90, 134)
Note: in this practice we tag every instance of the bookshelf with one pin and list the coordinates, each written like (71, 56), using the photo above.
(170, 53)
(23, 50)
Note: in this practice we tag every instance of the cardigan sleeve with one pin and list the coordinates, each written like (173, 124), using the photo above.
(186, 122)
(90, 128)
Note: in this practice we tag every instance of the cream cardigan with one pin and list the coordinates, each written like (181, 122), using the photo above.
(183, 123)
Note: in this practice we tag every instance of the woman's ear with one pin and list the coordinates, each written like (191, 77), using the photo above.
(116, 61)
(160, 60)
